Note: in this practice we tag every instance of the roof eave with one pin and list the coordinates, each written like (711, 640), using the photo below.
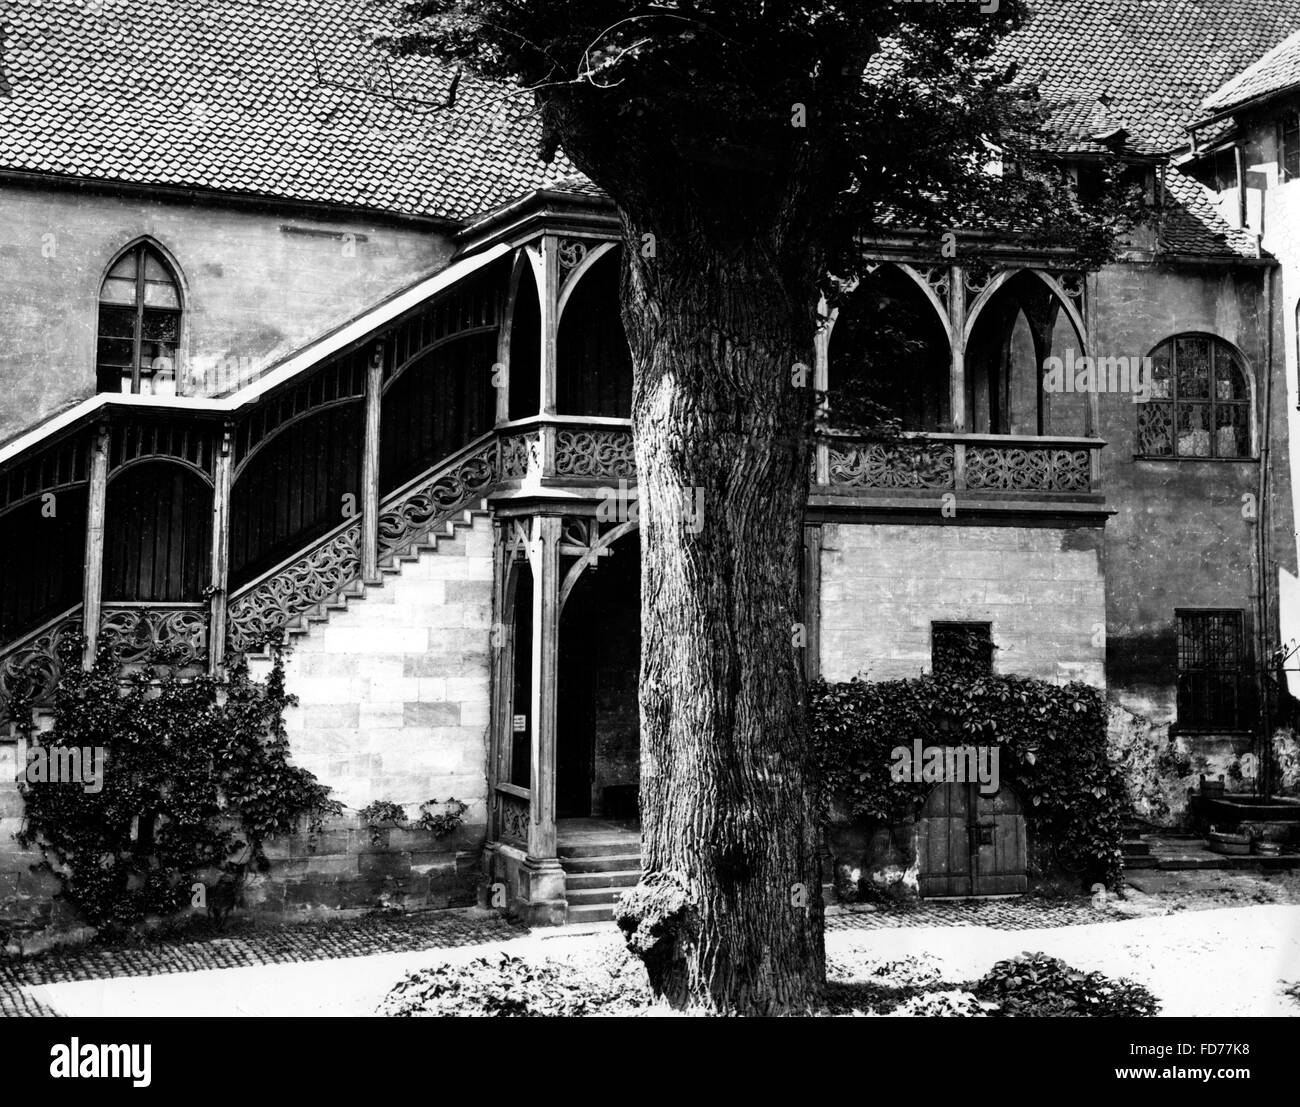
(232, 197)
(528, 215)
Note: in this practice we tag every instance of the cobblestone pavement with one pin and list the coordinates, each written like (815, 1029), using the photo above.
(999, 914)
(317, 941)
(371, 934)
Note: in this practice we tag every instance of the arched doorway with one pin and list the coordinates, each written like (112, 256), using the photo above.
(598, 734)
(971, 844)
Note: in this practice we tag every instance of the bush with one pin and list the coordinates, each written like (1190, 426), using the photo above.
(1052, 740)
(512, 987)
(1035, 985)
(196, 776)
(952, 1003)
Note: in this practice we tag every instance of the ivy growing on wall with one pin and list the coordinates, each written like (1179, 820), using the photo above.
(196, 777)
(1051, 741)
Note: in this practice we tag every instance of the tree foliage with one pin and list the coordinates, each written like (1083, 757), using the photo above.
(816, 121)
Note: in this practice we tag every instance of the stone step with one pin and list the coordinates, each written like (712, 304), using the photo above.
(590, 912)
(581, 897)
(580, 881)
(599, 848)
(610, 863)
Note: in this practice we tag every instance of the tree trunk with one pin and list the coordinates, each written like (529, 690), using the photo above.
(729, 915)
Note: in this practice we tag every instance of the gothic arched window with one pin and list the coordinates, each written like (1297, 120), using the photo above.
(1199, 401)
(139, 324)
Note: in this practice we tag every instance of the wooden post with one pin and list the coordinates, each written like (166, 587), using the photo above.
(957, 372)
(822, 384)
(370, 467)
(501, 371)
(92, 587)
(544, 554)
(548, 288)
(220, 552)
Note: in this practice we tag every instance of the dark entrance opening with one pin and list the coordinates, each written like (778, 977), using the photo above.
(598, 740)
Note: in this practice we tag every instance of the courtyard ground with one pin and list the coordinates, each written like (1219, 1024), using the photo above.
(1206, 944)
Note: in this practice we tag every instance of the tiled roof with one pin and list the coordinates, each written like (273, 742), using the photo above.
(269, 98)
(1192, 225)
(241, 96)
(1156, 61)
(1276, 71)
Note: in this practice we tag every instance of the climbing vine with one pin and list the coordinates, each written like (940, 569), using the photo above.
(195, 778)
(1051, 741)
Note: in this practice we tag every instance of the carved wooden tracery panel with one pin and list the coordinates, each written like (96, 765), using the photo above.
(1028, 470)
(512, 819)
(131, 632)
(520, 455)
(595, 453)
(881, 465)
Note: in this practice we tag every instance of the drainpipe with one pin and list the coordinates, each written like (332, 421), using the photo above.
(1264, 776)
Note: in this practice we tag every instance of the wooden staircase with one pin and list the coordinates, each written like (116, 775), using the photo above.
(391, 566)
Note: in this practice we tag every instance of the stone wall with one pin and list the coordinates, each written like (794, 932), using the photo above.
(1041, 588)
(1179, 536)
(393, 705)
(258, 283)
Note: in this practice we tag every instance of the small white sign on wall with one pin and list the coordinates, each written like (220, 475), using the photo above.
(521, 723)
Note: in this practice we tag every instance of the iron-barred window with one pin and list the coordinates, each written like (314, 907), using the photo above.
(1199, 404)
(139, 325)
(1211, 670)
(961, 648)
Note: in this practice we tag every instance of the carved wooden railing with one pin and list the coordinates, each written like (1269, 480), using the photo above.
(409, 515)
(567, 448)
(321, 574)
(30, 666)
(264, 607)
(985, 463)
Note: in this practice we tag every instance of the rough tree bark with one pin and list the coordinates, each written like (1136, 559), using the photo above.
(730, 913)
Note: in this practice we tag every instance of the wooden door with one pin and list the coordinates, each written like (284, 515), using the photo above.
(971, 844)
(944, 846)
(999, 840)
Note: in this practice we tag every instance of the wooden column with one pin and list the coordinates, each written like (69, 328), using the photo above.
(548, 289)
(220, 551)
(822, 384)
(92, 587)
(502, 383)
(957, 372)
(370, 467)
(544, 555)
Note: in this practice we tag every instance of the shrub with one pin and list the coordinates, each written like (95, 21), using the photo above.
(952, 1003)
(442, 822)
(509, 986)
(196, 778)
(382, 813)
(1036, 985)
(1053, 746)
